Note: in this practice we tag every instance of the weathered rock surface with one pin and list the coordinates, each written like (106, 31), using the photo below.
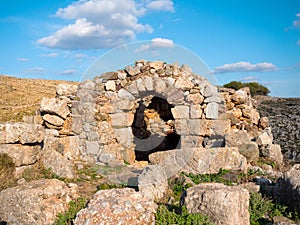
(22, 155)
(287, 188)
(24, 133)
(59, 155)
(67, 90)
(208, 161)
(55, 106)
(225, 205)
(117, 206)
(36, 202)
(152, 182)
(241, 139)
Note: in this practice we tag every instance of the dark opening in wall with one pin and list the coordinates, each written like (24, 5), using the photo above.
(153, 128)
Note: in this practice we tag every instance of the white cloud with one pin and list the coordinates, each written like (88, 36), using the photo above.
(22, 59)
(245, 67)
(249, 79)
(80, 56)
(34, 70)
(156, 43)
(165, 5)
(50, 55)
(102, 23)
(68, 72)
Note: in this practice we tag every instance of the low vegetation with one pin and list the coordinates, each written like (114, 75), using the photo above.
(255, 88)
(68, 217)
(262, 208)
(7, 169)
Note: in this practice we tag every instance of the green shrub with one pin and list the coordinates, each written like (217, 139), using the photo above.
(68, 217)
(204, 178)
(255, 88)
(167, 215)
(262, 210)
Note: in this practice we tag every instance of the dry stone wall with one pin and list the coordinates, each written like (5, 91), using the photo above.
(135, 109)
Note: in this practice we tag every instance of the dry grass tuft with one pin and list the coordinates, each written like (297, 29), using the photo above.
(20, 97)
(7, 170)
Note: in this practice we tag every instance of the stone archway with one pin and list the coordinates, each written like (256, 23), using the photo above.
(109, 106)
(153, 128)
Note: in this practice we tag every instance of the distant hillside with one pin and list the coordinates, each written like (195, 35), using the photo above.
(21, 97)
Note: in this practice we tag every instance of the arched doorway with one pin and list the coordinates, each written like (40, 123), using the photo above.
(153, 127)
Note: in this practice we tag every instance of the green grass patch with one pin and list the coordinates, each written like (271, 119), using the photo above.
(168, 215)
(263, 209)
(68, 217)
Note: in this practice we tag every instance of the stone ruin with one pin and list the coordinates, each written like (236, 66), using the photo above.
(152, 106)
(128, 115)
(160, 113)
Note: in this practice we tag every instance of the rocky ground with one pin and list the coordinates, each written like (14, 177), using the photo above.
(284, 118)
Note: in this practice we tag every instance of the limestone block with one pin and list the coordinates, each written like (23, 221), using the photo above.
(211, 110)
(208, 90)
(207, 161)
(140, 85)
(181, 112)
(110, 85)
(117, 206)
(148, 81)
(122, 119)
(36, 202)
(152, 182)
(226, 205)
(184, 84)
(264, 139)
(132, 71)
(156, 65)
(67, 90)
(195, 98)
(24, 133)
(21, 154)
(55, 106)
(122, 93)
(199, 127)
(176, 96)
(195, 112)
(54, 120)
(124, 136)
(160, 86)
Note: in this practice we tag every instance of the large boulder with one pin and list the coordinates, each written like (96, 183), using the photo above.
(22, 155)
(24, 133)
(152, 182)
(55, 106)
(225, 205)
(36, 202)
(117, 206)
(208, 161)
(59, 154)
(287, 188)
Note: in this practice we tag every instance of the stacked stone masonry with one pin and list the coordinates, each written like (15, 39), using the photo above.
(118, 112)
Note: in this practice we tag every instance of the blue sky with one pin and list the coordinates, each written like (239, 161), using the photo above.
(250, 40)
